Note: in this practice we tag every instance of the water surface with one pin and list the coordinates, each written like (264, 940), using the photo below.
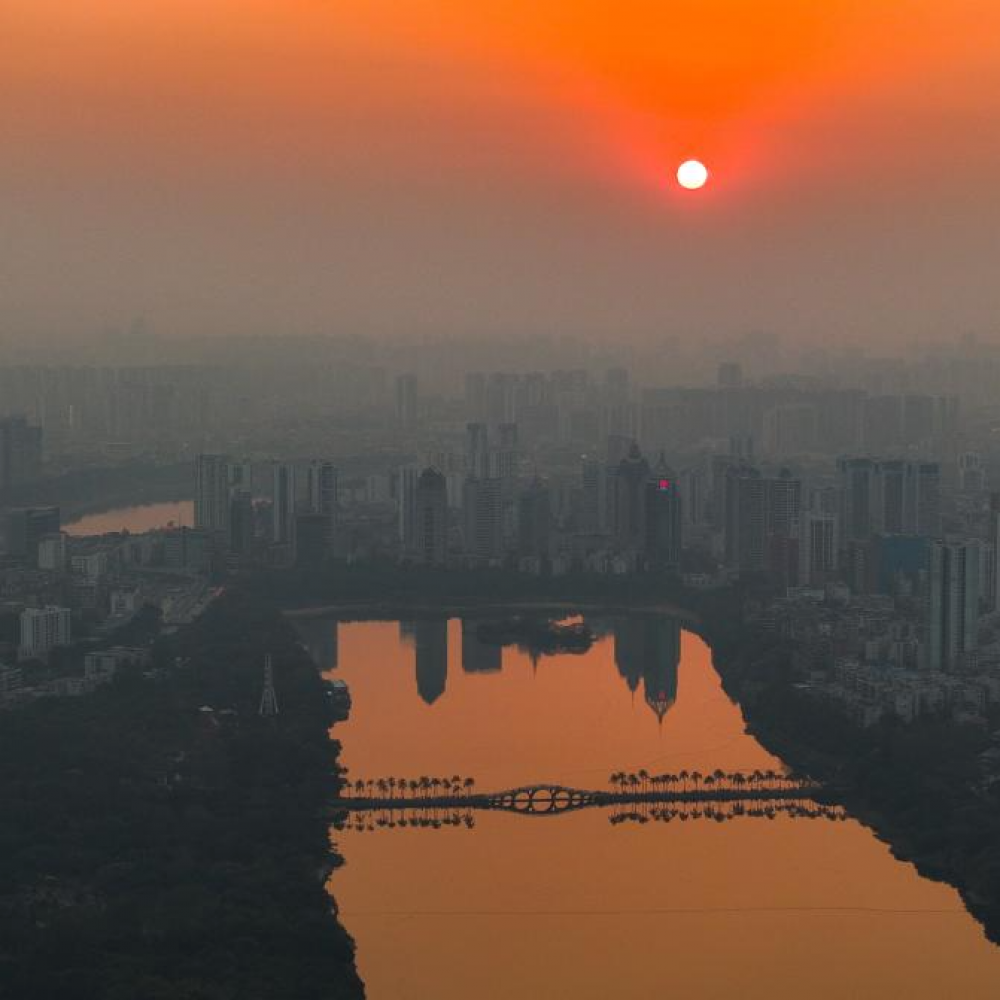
(145, 517)
(575, 907)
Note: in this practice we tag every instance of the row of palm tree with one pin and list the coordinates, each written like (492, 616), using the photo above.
(723, 814)
(643, 783)
(369, 822)
(413, 789)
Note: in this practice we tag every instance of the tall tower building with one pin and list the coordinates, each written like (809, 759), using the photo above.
(745, 519)
(211, 493)
(858, 491)
(320, 488)
(283, 503)
(407, 478)
(664, 522)
(430, 530)
(631, 477)
(954, 604)
(483, 519)
(534, 521)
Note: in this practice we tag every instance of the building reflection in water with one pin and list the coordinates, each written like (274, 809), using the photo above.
(648, 648)
(431, 641)
(647, 651)
(408, 633)
(320, 637)
(479, 657)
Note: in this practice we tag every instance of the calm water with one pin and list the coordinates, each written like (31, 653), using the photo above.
(575, 907)
(134, 519)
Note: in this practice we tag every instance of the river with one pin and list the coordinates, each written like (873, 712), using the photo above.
(575, 906)
(145, 517)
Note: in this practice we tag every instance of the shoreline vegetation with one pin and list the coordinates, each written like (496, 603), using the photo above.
(915, 786)
(162, 840)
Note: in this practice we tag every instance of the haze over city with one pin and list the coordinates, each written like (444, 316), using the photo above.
(427, 167)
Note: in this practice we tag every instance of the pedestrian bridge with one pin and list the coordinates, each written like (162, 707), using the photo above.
(554, 799)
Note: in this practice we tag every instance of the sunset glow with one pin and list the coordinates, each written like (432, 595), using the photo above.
(254, 149)
(692, 174)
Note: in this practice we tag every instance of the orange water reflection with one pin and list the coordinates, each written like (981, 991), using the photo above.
(573, 907)
(145, 517)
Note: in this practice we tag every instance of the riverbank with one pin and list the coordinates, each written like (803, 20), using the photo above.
(162, 839)
(916, 786)
(392, 610)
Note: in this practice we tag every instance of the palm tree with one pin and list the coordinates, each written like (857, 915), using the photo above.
(469, 783)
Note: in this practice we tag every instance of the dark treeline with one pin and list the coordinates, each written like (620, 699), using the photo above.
(917, 785)
(152, 848)
(387, 582)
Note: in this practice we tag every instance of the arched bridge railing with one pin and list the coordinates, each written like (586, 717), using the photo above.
(542, 800)
(550, 799)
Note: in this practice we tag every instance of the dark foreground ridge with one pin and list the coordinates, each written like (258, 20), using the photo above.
(155, 849)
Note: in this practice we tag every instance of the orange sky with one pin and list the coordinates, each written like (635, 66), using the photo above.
(173, 158)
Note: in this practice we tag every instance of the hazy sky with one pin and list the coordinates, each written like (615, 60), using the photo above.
(499, 165)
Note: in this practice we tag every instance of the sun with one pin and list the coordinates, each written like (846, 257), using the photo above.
(692, 174)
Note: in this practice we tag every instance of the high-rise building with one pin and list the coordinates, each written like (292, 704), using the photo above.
(20, 452)
(26, 527)
(889, 496)
(406, 503)
(483, 519)
(954, 604)
(631, 477)
(52, 552)
(211, 493)
(971, 473)
(320, 489)
(534, 521)
(762, 521)
(429, 545)
(283, 495)
(42, 630)
(857, 481)
(663, 517)
(745, 534)
(407, 402)
(818, 548)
